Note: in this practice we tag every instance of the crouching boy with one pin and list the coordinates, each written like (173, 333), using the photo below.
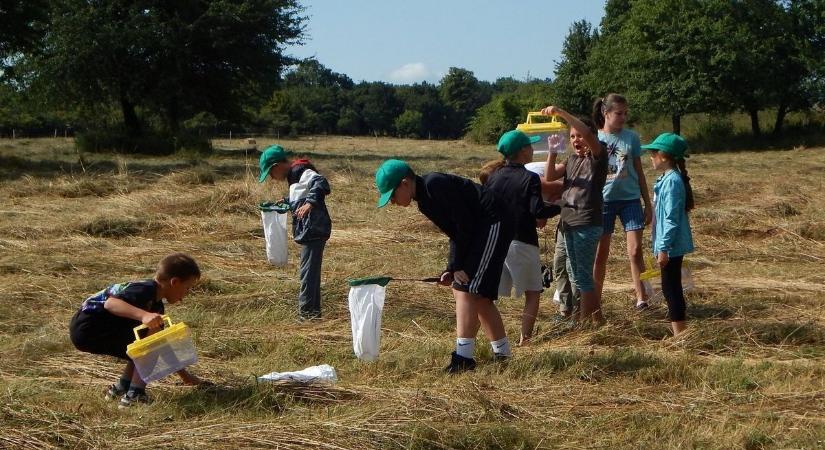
(103, 325)
(480, 232)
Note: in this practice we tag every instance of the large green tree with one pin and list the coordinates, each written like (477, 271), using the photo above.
(173, 59)
(571, 90)
(462, 94)
(660, 56)
(22, 24)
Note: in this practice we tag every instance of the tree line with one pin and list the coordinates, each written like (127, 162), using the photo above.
(131, 74)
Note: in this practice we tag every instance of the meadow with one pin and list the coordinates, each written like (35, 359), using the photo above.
(749, 373)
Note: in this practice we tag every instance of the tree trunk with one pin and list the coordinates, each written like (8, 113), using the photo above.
(754, 113)
(676, 120)
(780, 118)
(172, 115)
(130, 118)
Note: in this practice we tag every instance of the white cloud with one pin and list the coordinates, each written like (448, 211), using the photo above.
(411, 73)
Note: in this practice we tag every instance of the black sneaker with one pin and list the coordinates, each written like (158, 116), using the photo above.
(132, 398)
(642, 306)
(460, 364)
(114, 391)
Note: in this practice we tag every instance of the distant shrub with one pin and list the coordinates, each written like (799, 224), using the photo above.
(150, 143)
(493, 119)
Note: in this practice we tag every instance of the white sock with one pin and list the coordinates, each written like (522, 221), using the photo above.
(465, 347)
(501, 347)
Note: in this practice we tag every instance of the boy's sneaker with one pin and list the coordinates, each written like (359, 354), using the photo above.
(132, 398)
(642, 306)
(459, 364)
(114, 391)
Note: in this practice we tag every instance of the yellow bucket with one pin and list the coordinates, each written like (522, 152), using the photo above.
(551, 129)
(160, 354)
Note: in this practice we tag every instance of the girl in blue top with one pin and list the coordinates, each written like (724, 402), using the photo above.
(671, 228)
(624, 188)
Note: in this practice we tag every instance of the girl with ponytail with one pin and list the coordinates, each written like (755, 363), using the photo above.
(624, 190)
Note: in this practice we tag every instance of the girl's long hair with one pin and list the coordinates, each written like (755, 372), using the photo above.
(604, 105)
(489, 168)
(689, 203)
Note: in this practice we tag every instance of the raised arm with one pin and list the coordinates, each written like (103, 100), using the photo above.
(588, 135)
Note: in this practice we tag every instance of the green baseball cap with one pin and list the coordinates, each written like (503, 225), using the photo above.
(387, 177)
(514, 140)
(670, 143)
(272, 155)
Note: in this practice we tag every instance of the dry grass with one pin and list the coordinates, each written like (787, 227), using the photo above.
(749, 373)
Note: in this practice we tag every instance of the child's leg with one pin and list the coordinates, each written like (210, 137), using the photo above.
(600, 265)
(528, 317)
(493, 326)
(673, 293)
(563, 285)
(309, 297)
(637, 263)
(466, 314)
(128, 370)
(581, 244)
(137, 381)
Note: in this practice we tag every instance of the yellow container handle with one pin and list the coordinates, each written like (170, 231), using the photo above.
(143, 327)
(532, 114)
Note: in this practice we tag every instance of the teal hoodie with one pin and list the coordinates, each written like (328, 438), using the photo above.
(671, 231)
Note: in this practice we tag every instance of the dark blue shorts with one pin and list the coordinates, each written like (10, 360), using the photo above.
(629, 211)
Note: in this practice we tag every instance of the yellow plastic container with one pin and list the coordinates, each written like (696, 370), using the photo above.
(552, 130)
(163, 353)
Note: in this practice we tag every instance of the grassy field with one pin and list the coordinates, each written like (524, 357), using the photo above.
(750, 373)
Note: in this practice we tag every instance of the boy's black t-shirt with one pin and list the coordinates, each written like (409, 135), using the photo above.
(458, 207)
(521, 191)
(141, 294)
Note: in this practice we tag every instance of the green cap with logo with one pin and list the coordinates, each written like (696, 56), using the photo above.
(513, 141)
(670, 143)
(272, 155)
(387, 177)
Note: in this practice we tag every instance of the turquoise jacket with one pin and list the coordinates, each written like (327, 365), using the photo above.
(671, 231)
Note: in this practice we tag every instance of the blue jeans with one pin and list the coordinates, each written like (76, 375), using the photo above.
(581, 243)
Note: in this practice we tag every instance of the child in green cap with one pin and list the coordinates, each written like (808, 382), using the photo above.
(311, 223)
(480, 229)
(672, 238)
(521, 190)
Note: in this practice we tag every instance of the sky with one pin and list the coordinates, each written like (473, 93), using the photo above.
(404, 42)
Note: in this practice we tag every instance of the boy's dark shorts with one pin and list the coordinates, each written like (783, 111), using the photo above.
(486, 259)
(101, 338)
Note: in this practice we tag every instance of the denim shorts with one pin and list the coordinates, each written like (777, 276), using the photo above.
(580, 244)
(629, 211)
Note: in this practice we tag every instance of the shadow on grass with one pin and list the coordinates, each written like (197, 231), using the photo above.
(273, 397)
(701, 311)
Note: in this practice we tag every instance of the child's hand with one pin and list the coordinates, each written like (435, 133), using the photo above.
(648, 215)
(303, 210)
(662, 259)
(461, 277)
(152, 320)
(550, 111)
(446, 279)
